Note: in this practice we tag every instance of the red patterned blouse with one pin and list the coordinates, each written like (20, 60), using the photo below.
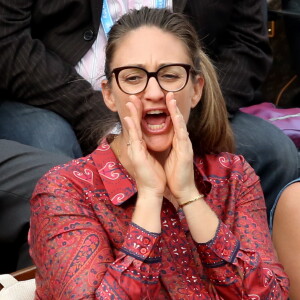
(86, 247)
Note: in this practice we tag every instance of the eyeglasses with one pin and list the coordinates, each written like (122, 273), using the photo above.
(171, 78)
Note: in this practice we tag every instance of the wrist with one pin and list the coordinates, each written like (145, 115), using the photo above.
(148, 194)
(148, 201)
(199, 197)
(187, 195)
(147, 212)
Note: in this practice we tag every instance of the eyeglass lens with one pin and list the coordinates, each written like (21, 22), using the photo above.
(170, 78)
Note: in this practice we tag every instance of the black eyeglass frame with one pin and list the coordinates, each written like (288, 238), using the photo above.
(188, 68)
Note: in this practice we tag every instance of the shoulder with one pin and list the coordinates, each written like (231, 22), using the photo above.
(223, 162)
(231, 182)
(80, 176)
(77, 175)
(225, 165)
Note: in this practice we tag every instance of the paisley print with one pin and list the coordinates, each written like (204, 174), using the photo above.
(110, 171)
(87, 175)
(103, 147)
(118, 199)
(85, 246)
(224, 162)
(254, 297)
(228, 161)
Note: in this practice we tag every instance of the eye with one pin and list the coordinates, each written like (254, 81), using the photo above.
(133, 79)
(132, 76)
(170, 76)
(171, 73)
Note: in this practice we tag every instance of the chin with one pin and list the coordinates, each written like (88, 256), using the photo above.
(158, 149)
(159, 144)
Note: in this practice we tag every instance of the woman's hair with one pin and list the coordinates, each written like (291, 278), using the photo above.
(208, 124)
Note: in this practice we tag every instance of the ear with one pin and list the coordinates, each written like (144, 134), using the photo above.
(197, 89)
(107, 95)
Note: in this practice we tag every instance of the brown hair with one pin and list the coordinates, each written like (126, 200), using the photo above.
(208, 125)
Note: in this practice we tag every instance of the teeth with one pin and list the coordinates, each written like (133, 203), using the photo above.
(154, 112)
(156, 127)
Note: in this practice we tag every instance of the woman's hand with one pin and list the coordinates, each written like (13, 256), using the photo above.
(148, 172)
(179, 165)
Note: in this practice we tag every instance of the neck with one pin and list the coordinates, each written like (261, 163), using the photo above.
(161, 157)
(119, 147)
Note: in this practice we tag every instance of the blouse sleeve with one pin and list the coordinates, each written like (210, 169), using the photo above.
(240, 260)
(72, 250)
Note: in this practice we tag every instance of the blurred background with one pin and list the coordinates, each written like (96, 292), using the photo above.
(282, 86)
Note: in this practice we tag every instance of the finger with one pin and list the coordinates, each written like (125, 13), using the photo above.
(176, 117)
(170, 104)
(138, 105)
(135, 111)
(135, 149)
(132, 131)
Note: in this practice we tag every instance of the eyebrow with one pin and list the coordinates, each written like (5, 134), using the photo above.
(143, 66)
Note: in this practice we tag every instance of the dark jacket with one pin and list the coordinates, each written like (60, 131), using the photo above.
(41, 41)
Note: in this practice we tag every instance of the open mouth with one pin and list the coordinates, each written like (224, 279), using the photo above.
(156, 120)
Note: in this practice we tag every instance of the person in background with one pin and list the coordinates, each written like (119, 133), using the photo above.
(32, 140)
(158, 210)
(292, 24)
(285, 225)
(284, 222)
(21, 167)
(53, 63)
(234, 34)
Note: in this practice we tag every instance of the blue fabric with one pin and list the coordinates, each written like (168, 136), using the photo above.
(276, 202)
(292, 31)
(269, 151)
(38, 128)
(21, 166)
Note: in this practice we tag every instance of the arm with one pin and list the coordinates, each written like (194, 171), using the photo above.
(286, 236)
(234, 33)
(34, 74)
(73, 250)
(240, 260)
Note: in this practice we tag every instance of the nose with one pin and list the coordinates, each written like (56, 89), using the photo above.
(153, 91)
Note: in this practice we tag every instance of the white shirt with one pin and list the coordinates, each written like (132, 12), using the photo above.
(91, 66)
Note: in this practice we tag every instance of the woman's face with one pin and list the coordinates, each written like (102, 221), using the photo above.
(151, 48)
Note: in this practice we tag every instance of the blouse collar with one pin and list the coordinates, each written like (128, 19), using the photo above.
(118, 183)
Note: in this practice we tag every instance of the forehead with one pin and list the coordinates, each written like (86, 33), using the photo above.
(149, 46)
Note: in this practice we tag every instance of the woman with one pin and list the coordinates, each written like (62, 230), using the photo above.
(285, 223)
(160, 210)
